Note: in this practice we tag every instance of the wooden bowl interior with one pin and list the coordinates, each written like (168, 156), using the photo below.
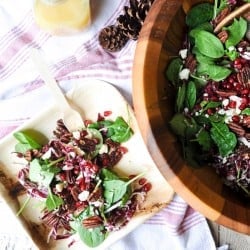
(160, 39)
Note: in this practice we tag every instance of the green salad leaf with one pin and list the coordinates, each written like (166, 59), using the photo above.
(26, 142)
(199, 14)
(203, 39)
(237, 31)
(223, 138)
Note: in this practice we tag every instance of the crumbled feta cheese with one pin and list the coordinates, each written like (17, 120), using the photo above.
(47, 154)
(83, 196)
(103, 149)
(244, 141)
(76, 135)
(97, 203)
(183, 53)
(59, 187)
(246, 55)
(184, 74)
(238, 101)
(221, 111)
(225, 102)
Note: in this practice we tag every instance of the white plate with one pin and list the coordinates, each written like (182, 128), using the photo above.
(90, 97)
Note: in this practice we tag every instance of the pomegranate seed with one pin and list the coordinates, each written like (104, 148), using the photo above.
(210, 111)
(123, 150)
(242, 106)
(62, 176)
(87, 122)
(236, 118)
(237, 86)
(142, 181)
(238, 63)
(132, 176)
(232, 104)
(147, 187)
(78, 204)
(107, 113)
(82, 186)
(245, 92)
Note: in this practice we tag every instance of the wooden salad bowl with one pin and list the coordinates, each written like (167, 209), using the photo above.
(160, 39)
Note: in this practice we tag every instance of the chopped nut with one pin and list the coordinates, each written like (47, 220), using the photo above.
(221, 16)
(93, 221)
(243, 77)
(223, 36)
(237, 129)
(190, 63)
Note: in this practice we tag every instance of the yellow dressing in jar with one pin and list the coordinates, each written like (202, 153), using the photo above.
(62, 17)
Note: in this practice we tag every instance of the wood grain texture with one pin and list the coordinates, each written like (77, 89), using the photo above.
(153, 98)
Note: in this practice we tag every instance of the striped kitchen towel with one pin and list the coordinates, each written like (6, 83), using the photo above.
(22, 96)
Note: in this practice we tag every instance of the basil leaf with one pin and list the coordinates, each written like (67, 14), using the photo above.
(199, 14)
(236, 32)
(223, 138)
(190, 95)
(26, 142)
(173, 69)
(208, 44)
(53, 201)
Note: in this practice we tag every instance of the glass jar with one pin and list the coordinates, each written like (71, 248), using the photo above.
(61, 17)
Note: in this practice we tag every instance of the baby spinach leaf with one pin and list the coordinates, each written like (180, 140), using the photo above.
(223, 138)
(213, 71)
(199, 14)
(92, 237)
(204, 139)
(181, 93)
(190, 95)
(96, 134)
(205, 105)
(38, 175)
(202, 58)
(183, 126)
(26, 142)
(236, 32)
(53, 201)
(173, 70)
(178, 124)
(108, 175)
(115, 189)
(208, 44)
(245, 111)
(42, 172)
(119, 131)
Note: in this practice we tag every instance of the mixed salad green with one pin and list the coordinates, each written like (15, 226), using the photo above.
(72, 175)
(211, 76)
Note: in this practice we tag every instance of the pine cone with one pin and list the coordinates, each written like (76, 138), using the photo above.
(133, 18)
(112, 39)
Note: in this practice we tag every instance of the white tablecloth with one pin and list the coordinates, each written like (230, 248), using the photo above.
(22, 96)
